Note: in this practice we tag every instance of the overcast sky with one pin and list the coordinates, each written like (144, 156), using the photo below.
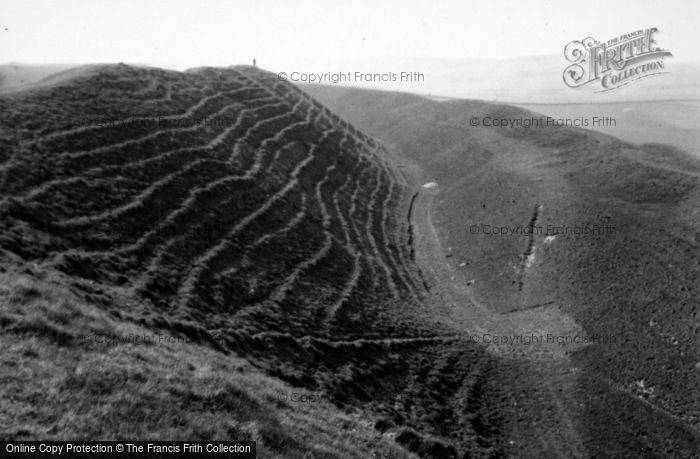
(182, 34)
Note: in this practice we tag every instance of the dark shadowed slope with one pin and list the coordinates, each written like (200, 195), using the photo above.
(229, 216)
(234, 211)
(601, 237)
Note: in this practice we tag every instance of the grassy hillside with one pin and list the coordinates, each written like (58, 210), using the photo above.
(238, 215)
(300, 286)
(630, 270)
(72, 371)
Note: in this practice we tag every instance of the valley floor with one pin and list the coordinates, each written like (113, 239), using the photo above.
(537, 376)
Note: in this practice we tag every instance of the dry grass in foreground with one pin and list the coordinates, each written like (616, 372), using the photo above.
(70, 371)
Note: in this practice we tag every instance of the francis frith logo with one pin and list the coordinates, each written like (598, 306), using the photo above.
(614, 63)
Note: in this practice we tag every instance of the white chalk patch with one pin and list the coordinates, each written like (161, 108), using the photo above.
(549, 239)
(430, 185)
(643, 388)
(530, 259)
(462, 264)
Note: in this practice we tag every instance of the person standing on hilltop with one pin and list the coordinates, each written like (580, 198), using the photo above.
(254, 64)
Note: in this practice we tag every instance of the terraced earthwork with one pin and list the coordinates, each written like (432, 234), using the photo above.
(236, 211)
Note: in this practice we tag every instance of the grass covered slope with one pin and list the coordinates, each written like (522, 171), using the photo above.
(271, 204)
(235, 212)
(70, 370)
(614, 247)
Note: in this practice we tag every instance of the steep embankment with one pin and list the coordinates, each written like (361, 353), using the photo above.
(563, 231)
(232, 211)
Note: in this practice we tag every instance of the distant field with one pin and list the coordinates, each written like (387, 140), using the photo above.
(526, 80)
(675, 123)
(17, 76)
